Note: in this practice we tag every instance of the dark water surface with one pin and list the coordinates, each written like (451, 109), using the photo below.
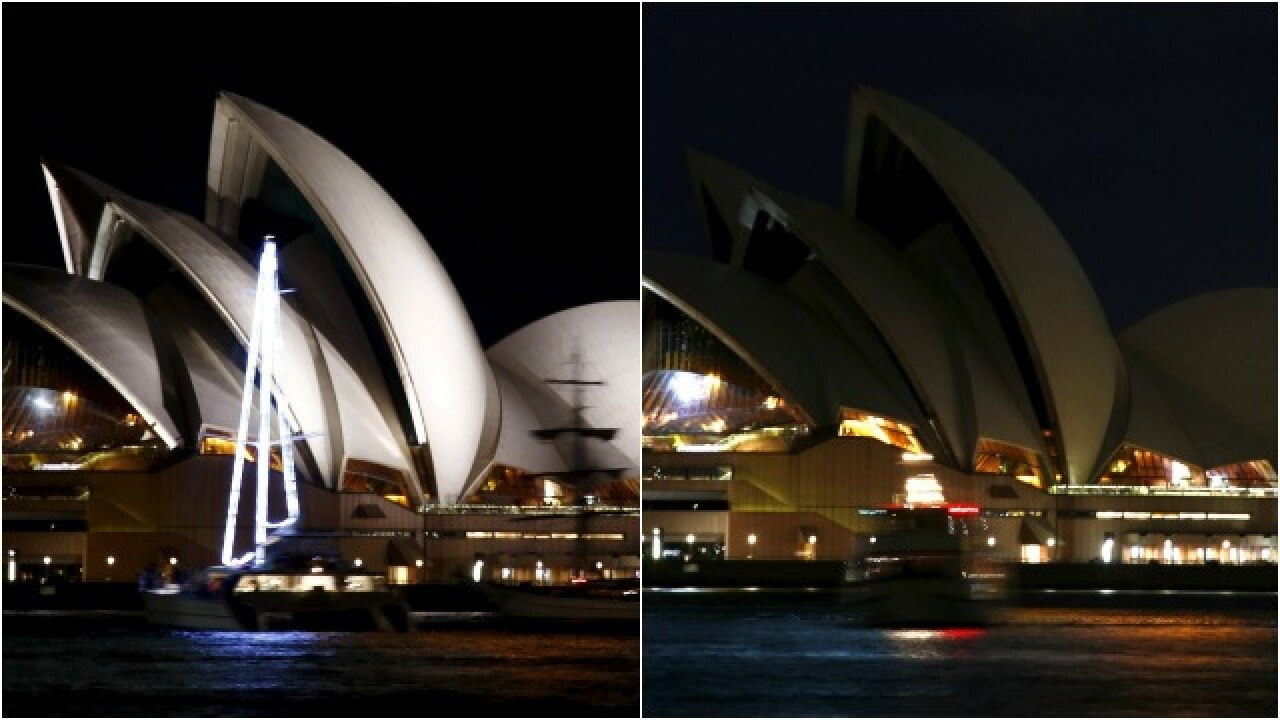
(805, 654)
(105, 665)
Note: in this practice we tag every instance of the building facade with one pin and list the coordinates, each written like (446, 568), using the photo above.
(125, 369)
(934, 341)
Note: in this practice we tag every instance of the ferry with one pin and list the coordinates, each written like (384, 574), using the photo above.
(288, 594)
(917, 575)
(596, 600)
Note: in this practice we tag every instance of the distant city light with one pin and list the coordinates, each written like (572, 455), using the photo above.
(599, 565)
(418, 562)
(358, 562)
(689, 538)
(991, 541)
(477, 571)
(173, 561)
(751, 539)
(47, 560)
(42, 403)
(1107, 546)
(111, 559)
(916, 457)
(813, 539)
(1051, 542)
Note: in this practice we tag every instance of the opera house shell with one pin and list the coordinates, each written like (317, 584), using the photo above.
(389, 389)
(939, 312)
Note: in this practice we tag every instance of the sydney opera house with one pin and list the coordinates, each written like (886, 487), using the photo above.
(934, 341)
(417, 448)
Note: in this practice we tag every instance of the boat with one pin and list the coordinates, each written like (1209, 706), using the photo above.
(273, 585)
(598, 600)
(916, 576)
(286, 594)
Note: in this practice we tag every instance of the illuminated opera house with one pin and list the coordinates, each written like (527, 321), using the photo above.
(124, 372)
(933, 341)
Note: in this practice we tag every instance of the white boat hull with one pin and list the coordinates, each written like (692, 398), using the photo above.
(175, 609)
(534, 605)
(277, 610)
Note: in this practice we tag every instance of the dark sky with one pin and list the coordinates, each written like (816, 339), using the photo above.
(1148, 133)
(507, 134)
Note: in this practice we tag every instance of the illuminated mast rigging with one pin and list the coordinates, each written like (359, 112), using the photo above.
(264, 351)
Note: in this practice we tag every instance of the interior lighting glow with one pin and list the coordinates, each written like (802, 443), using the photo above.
(47, 560)
(689, 538)
(1107, 546)
(358, 562)
(1051, 542)
(173, 561)
(751, 539)
(687, 386)
(916, 457)
(813, 539)
(42, 403)
(477, 571)
(991, 541)
(924, 490)
(111, 559)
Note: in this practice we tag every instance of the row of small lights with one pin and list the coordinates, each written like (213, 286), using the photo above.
(111, 560)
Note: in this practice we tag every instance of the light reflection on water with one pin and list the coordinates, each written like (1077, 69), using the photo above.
(782, 657)
(106, 669)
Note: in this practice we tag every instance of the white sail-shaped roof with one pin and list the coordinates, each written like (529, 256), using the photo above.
(448, 388)
(107, 327)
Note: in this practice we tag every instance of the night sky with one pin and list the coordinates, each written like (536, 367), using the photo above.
(1147, 133)
(491, 127)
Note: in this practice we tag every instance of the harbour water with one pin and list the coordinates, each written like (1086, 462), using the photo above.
(114, 665)
(709, 654)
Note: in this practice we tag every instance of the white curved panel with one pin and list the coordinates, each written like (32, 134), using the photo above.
(227, 282)
(442, 369)
(104, 325)
(364, 432)
(1076, 356)
(215, 379)
(70, 233)
(607, 334)
(524, 409)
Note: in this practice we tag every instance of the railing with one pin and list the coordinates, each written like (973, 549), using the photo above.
(1161, 491)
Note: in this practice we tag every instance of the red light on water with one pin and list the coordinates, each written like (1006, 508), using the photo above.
(962, 633)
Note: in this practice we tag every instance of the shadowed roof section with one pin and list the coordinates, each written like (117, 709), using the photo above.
(1212, 358)
(1076, 359)
(803, 358)
(104, 325)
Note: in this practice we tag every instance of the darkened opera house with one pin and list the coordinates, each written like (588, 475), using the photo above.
(934, 342)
